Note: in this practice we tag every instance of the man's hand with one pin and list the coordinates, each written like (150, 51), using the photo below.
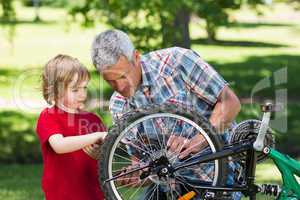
(184, 146)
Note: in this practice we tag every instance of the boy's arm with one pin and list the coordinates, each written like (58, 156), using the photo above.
(61, 144)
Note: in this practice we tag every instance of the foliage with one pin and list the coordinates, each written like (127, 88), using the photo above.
(245, 54)
(158, 23)
(51, 3)
(7, 10)
(18, 142)
(215, 14)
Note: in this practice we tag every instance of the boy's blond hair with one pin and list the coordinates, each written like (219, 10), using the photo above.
(57, 75)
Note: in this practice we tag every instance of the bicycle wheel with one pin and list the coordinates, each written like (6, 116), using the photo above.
(137, 147)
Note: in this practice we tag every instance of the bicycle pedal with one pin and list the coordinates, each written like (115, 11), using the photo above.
(188, 196)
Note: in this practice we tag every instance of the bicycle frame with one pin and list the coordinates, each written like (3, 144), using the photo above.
(249, 189)
(287, 166)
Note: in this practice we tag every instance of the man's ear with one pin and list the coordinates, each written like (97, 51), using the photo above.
(136, 57)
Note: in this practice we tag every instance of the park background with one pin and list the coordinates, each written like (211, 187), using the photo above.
(247, 41)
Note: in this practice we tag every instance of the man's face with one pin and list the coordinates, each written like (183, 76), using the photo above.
(123, 77)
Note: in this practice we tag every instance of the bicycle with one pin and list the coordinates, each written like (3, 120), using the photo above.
(135, 149)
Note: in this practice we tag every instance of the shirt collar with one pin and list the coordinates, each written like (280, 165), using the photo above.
(149, 72)
(149, 76)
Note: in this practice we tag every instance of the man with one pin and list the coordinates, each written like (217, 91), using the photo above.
(173, 75)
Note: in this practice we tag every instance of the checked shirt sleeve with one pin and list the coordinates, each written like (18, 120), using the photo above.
(117, 106)
(199, 77)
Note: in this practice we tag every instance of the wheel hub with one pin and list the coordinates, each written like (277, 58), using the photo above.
(160, 171)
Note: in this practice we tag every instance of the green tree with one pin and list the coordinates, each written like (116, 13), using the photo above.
(215, 14)
(158, 23)
(7, 11)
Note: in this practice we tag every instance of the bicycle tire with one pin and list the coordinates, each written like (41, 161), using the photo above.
(134, 115)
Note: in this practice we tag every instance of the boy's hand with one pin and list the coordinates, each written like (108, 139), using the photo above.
(93, 150)
(101, 138)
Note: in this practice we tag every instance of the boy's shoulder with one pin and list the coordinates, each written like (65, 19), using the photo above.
(49, 111)
(47, 118)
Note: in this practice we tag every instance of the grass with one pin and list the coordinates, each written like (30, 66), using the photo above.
(22, 182)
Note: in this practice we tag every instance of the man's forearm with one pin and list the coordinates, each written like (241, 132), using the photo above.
(225, 110)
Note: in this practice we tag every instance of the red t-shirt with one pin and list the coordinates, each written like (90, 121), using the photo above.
(72, 176)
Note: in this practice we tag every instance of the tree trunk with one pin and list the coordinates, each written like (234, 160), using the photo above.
(181, 29)
(211, 31)
(176, 32)
(8, 13)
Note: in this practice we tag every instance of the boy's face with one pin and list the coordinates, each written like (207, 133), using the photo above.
(75, 95)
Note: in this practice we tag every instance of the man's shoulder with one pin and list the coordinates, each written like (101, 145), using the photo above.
(167, 51)
(163, 61)
(171, 56)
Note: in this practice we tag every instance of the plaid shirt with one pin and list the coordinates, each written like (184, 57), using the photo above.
(174, 75)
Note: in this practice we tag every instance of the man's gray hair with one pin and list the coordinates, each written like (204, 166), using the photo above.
(108, 46)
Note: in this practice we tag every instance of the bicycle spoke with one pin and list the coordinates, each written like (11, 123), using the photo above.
(152, 192)
(164, 132)
(119, 162)
(144, 145)
(132, 166)
(197, 154)
(120, 174)
(162, 146)
(164, 135)
(176, 155)
(127, 192)
(195, 145)
(170, 186)
(192, 177)
(175, 189)
(183, 184)
(137, 189)
(117, 155)
(150, 148)
(126, 151)
(184, 181)
(128, 184)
